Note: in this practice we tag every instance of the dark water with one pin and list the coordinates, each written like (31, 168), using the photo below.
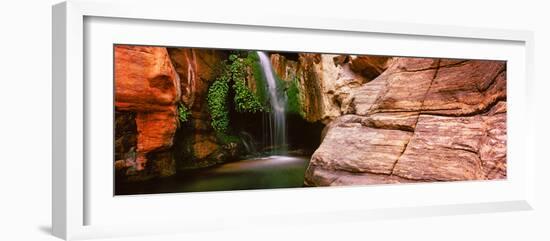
(259, 173)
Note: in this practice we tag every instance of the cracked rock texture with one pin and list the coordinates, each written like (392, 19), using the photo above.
(418, 119)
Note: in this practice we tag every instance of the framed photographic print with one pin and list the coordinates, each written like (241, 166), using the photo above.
(167, 123)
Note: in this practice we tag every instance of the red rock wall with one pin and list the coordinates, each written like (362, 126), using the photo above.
(197, 70)
(146, 83)
(390, 120)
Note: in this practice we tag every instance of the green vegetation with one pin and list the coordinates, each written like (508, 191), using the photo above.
(231, 81)
(183, 113)
(253, 61)
(217, 104)
(293, 97)
(233, 74)
(225, 138)
(245, 100)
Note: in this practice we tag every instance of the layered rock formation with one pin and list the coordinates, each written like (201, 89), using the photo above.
(388, 120)
(150, 84)
(147, 85)
(419, 120)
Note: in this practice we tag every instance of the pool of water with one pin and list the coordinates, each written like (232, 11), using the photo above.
(257, 173)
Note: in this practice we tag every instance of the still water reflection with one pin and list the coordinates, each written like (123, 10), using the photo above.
(257, 173)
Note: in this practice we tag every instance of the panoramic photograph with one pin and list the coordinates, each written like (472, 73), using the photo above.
(199, 119)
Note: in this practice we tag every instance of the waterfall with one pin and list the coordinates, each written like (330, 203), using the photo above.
(248, 142)
(275, 123)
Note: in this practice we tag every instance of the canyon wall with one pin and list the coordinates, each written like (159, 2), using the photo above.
(388, 120)
(146, 91)
(326, 81)
(197, 144)
(150, 84)
(420, 119)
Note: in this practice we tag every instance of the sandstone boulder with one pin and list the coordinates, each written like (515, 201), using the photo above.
(420, 120)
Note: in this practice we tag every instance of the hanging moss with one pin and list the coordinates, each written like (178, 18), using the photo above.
(253, 61)
(217, 105)
(294, 103)
(233, 74)
(183, 113)
(291, 89)
(225, 138)
(245, 100)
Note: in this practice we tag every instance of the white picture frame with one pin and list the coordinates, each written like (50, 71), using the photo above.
(76, 191)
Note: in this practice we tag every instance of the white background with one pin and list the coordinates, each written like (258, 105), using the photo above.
(25, 122)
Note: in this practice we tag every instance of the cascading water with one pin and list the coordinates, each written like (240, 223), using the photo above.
(248, 142)
(275, 127)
